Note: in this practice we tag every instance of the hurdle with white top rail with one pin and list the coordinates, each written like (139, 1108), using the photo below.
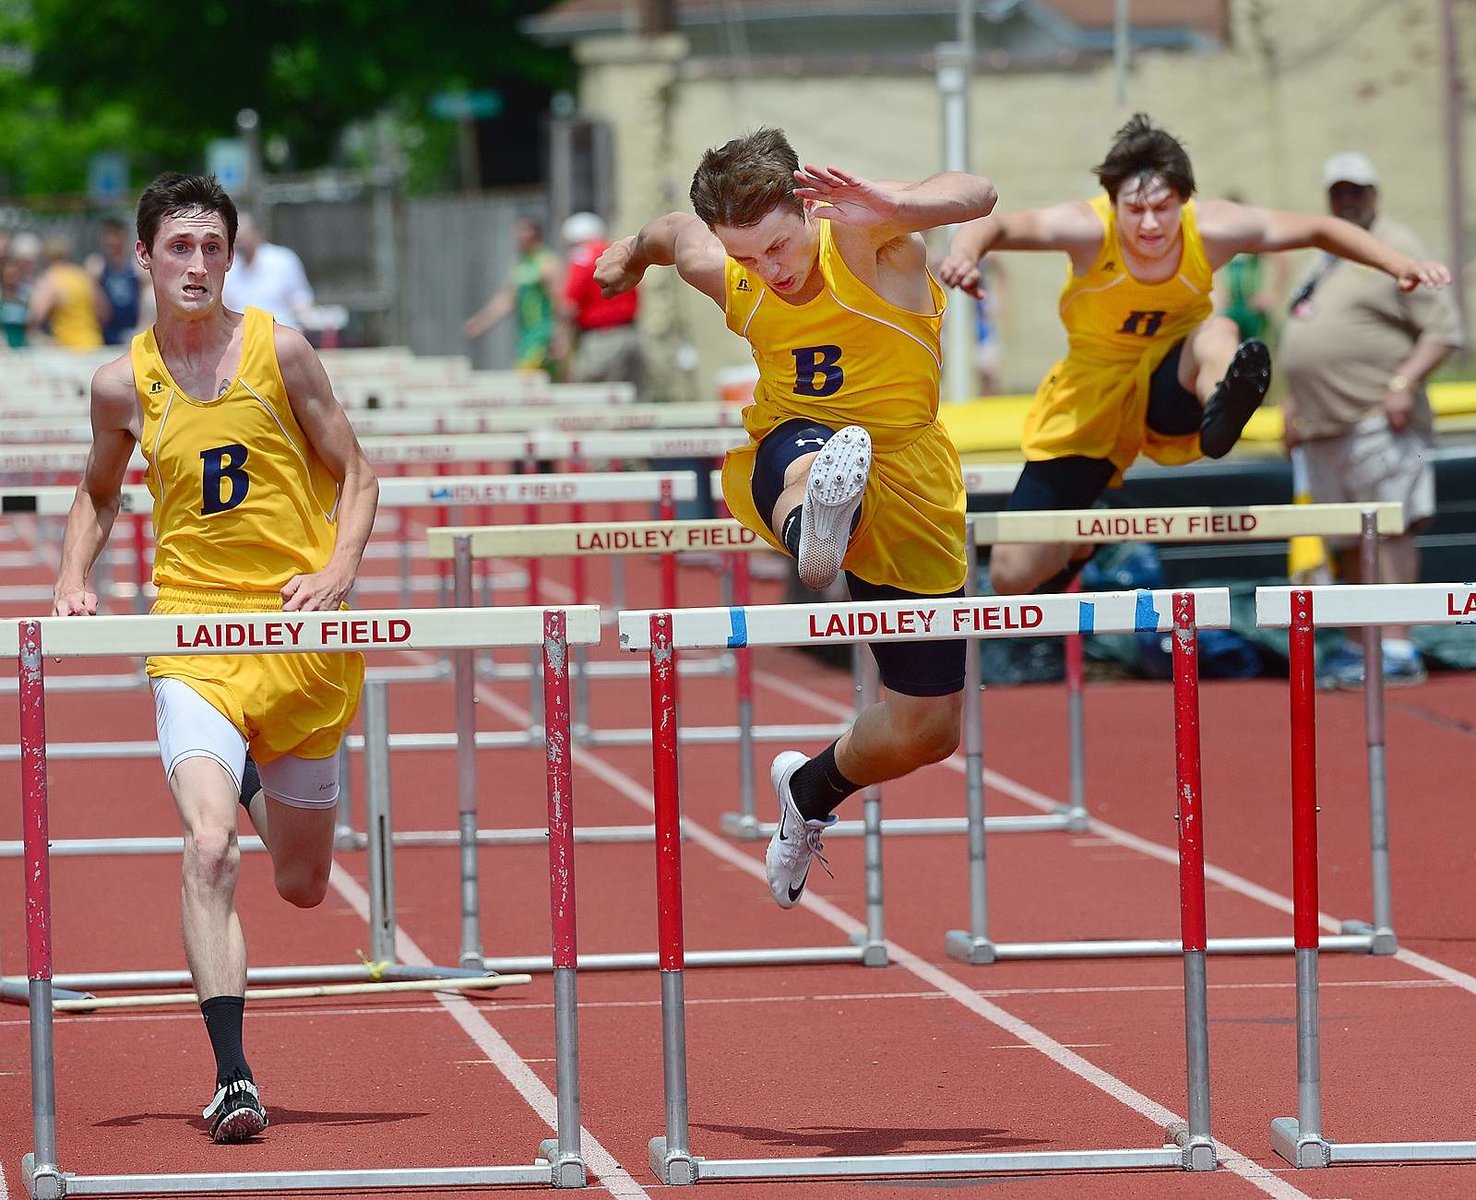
(32, 641)
(660, 634)
(1367, 522)
(1300, 1140)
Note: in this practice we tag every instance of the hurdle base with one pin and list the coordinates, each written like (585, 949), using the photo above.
(965, 947)
(744, 826)
(1199, 1152)
(873, 954)
(567, 1169)
(1288, 1142)
(48, 1183)
(674, 1169)
(1381, 939)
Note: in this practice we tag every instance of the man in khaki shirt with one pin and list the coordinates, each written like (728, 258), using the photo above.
(1355, 353)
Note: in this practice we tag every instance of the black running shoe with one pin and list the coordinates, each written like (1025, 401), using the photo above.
(236, 1114)
(250, 784)
(1236, 397)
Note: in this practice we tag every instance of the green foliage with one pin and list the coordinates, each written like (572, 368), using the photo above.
(158, 81)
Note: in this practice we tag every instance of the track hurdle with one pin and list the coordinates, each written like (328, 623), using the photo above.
(31, 641)
(1300, 1140)
(660, 634)
(1101, 526)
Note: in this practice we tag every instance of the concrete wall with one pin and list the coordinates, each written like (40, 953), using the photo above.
(1301, 79)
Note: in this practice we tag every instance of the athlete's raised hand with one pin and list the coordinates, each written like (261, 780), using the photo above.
(961, 272)
(846, 199)
(615, 271)
(1431, 274)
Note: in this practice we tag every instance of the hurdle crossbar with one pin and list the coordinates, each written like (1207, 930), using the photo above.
(1300, 1139)
(659, 634)
(32, 640)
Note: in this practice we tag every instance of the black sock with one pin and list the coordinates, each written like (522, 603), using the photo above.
(789, 531)
(1063, 578)
(818, 787)
(223, 1015)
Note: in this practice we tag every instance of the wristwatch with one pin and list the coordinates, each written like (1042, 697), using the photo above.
(1398, 383)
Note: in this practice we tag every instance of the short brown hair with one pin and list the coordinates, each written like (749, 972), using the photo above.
(173, 195)
(741, 182)
(1141, 148)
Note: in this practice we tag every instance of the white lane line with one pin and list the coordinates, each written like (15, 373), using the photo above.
(1230, 1159)
(1131, 841)
(533, 1090)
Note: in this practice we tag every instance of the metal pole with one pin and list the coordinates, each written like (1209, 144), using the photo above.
(954, 61)
(671, 1156)
(465, 683)
(1076, 813)
(743, 678)
(378, 824)
(1374, 736)
(874, 949)
(1122, 23)
(1455, 190)
(1199, 1148)
(557, 748)
(36, 833)
(1304, 863)
(972, 945)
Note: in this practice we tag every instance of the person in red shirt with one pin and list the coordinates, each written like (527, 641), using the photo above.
(606, 347)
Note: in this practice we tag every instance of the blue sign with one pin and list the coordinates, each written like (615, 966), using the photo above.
(107, 176)
(226, 159)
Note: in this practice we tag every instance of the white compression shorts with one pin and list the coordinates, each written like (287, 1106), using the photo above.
(191, 727)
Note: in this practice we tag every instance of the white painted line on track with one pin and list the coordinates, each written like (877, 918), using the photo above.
(1232, 1160)
(533, 1090)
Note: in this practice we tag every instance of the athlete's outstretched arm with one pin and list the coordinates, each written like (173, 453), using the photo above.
(333, 439)
(115, 433)
(1229, 229)
(677, 239)
(1072, 228)
(890, 209)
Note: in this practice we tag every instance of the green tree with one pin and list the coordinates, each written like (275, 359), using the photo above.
(161, 80)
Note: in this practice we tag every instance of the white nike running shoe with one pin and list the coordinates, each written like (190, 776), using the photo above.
(796, 841)
(832, 496)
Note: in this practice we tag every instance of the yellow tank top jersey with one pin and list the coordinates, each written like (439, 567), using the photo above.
(1094, 402)
(241, 505)
(849, 357)
(73, 320)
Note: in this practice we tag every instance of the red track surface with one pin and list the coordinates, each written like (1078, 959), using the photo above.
(923, 1055)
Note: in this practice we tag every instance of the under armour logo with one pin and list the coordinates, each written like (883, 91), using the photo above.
(809, 441)
(154, 387)
(1109, 265)
(743, 285)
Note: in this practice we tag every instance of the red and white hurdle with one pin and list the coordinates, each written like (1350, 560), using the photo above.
(31, 641)
(661, 634)
(1300, 1139)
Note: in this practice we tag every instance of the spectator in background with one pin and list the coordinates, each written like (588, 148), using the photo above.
(528, 295)
(266, 275)
(66, 305)
(1246, 293)
(13, 306)
(122, 280)
(987, 310)
(606, 347)
(1356, 352)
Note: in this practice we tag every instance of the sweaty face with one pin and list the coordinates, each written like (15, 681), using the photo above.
(782, 249)
(1149, 212)
(188, 261)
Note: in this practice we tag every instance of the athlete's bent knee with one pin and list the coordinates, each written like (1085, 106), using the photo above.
(302, 885)
(1016, 576)
(212, 858)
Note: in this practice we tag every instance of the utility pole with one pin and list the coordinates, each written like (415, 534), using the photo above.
(1455, 192)
(955, 66)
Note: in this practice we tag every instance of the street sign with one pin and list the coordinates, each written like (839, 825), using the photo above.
(226, 159)
(466, 106)
(107, 176)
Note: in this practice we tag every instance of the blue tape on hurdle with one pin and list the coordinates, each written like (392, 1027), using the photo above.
(1086, 617)
(1145, 616)
(738, 627)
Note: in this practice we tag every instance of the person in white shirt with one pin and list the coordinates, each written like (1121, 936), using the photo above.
(266, 275)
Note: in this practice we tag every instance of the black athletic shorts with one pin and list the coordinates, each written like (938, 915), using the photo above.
(913, 668)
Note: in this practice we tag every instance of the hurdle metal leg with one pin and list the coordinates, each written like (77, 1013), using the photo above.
(466, 770)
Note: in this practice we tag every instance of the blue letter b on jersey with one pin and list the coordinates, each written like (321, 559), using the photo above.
(223, 484)
(815, 371)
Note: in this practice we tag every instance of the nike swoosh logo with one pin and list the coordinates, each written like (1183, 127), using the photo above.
(796, 892)
(782, 838)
